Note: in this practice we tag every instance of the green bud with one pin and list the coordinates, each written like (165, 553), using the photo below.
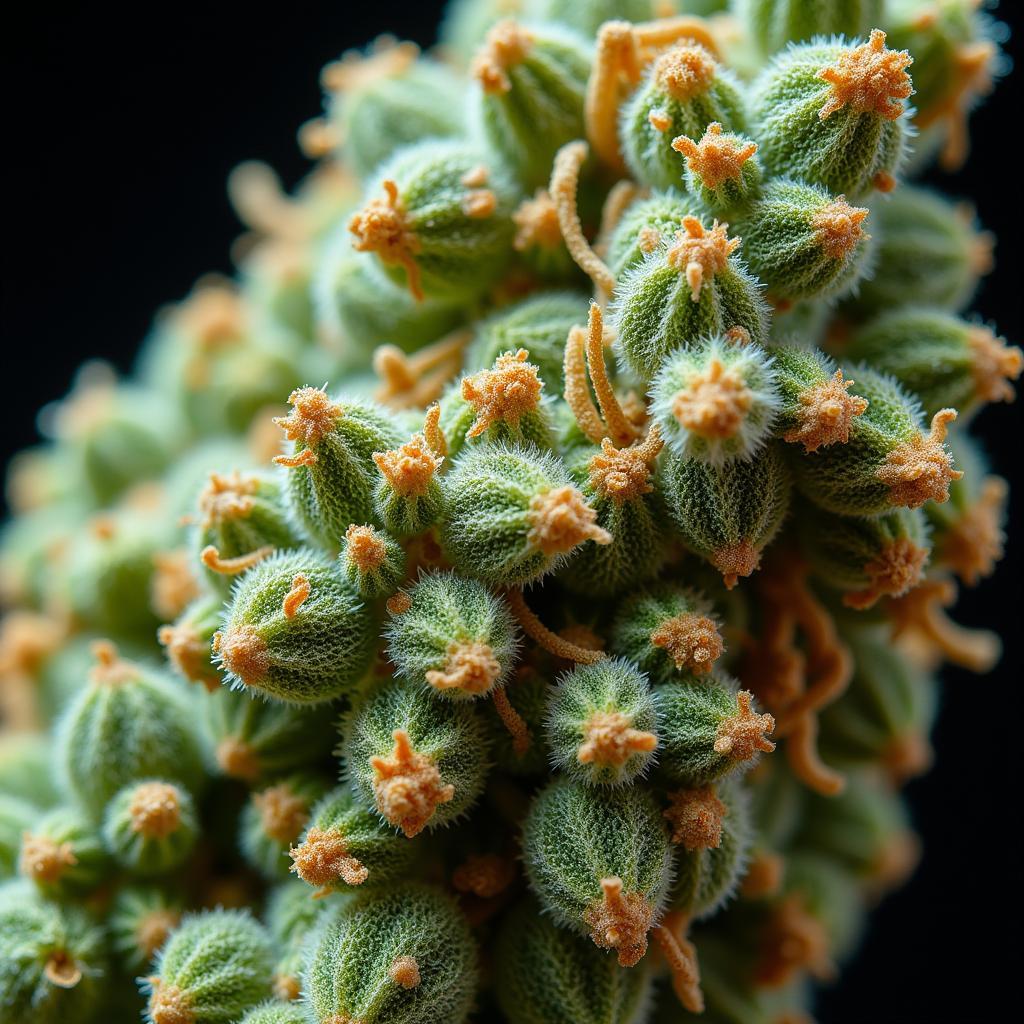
(712, 828)
(53, 964)
(539, 324)
(833, 115)
(372, 562)
(548, 975)
(532, 82)
(419, 762)
(608, 875)
(684, 90)
(273, 819)
(455, 637)
(129, 723)
(295, 631)
(685, 290)
(346, 845)
(211, 970)
(513, 515)
(708, 730)
(866, 559)
(399, 957)
(928, 252)
(943, 360)
(276, 1012)
(388, 98)
(26, 767)
(331, 474)
(407, 498)
(150, 827)
(141, 918)
(667, 631)
(602, 723)
(715, 400)
(817, 408)
(888, 461)
(722, 171)
(62, 853)
(728, 514)
(443, 224)
(16, 818)
(250, 739)
(774, 23)
(643, 226)
(240, 515)
(804, 243)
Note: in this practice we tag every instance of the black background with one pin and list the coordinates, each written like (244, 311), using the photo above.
(119, 135)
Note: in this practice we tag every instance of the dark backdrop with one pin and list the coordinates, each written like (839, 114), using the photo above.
(119, 136)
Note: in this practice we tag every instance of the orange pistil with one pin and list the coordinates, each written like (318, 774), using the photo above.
(565, 176)
(921, 468)
(153, 929)
(624, 474)
(387, 58)
(550, 642)
(296, 597)
(868, 79)
(792, 942)
(921, 613)
(826, 413)
(619, 427)
(226, 498)
(408, 787)
(365, 548)
(62, 970)
(714, 403)
(471, 667)
(837, 227)
(504, 48)
(243, 653)
(742, 735)
(513, 722)
(312, 418)
(27, 639)
(659, 120)
(322, 858)
(577, 390)
(736, 560)
(174, 585)
(536, 222)
(155, 810)
(684, 72)
(504, 394)
(409, 469)
(993, 365)
(700, 254)
(695, 816)
(307, 457)
(409, 381)
(381, 227)
(110, 669)
(617, 67)
(974, 543)
(485, 875)
(763, 877)
(681, 958)
(802, 754)
(716, 158)
(906, 757)
(237, 759)
(43, 859)
(884, 181)
(479, 203)
(895, 570)
(610, 739)
(283, 813)
(560, 520)
(692, 641)
(405, 971)
(620, 921)
(398, 604)
(169, 1004)
(210, 557)
(286, 987)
